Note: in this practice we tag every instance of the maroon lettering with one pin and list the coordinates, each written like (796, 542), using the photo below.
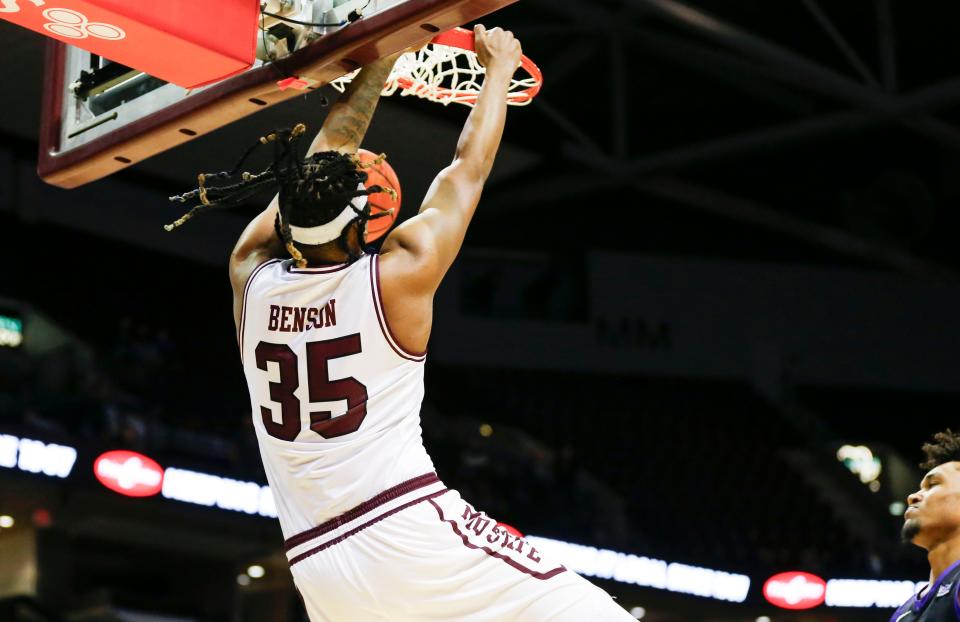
(281, 392)
(508, 541)
(322, 388)
(284, 319)
(274, 317)
(330, 313)
(299, 313)
(494, 535)
(475, 521)
(469, 513)
(534, 554)
(479, 525)
(298, 319)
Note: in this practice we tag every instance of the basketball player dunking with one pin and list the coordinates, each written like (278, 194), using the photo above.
(932, 522)
(333, 343)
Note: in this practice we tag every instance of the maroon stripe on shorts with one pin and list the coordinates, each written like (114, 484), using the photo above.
(367, 506)
(341, 538)
(543, 576)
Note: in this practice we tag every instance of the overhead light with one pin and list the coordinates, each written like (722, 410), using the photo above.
(243, 580)
(11, 332)
(255, 571)
(763, 619)
(861, 461)
(897, 508)
(486, 429)
(638, 612)
(6, 521)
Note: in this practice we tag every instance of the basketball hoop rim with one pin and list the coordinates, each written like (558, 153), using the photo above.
(464, 39)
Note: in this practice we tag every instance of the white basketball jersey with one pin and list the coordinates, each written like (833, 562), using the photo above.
(335, 399)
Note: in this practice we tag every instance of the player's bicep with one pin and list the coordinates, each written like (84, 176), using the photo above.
(447, 210)
(240, 271)
(410, 255)
(257, 243)
(429, 242)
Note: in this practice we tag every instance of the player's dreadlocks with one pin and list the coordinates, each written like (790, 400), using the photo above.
(944, 448)
(313, 191)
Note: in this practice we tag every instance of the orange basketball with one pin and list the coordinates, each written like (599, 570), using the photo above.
(384, 176)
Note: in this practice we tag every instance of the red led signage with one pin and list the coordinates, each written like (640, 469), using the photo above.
(129, 473)
(795, 590)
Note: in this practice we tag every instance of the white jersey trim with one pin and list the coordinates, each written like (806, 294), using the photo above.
(418, 357)
(243, 302)
(291, 267)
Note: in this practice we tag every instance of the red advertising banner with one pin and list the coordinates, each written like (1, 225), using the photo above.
(187, 43)
(795, 590)
(129, 473)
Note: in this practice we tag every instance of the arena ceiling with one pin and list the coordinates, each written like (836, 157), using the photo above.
(805, 130)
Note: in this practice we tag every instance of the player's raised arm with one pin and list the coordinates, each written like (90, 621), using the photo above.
(420, 251)
(349, 118)
(343, 130)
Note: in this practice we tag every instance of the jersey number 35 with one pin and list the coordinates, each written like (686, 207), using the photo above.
(319, 385)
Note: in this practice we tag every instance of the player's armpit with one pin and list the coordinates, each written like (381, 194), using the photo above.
(409, 271)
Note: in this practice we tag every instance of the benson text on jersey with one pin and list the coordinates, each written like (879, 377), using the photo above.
(298, 319)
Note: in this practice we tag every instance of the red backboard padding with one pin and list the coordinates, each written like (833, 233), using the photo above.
(185, 42)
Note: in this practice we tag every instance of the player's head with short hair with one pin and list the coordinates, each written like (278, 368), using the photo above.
(322, 197)
(933, 512)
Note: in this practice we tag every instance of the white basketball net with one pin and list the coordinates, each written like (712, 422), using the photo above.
(443, 74)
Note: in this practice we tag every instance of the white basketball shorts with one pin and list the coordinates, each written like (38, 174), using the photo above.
(418, 552)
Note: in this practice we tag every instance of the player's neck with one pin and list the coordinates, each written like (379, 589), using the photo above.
(328, 255)
(333, 253)
(943, 555)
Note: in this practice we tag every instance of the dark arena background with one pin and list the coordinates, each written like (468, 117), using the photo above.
(704, 319)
